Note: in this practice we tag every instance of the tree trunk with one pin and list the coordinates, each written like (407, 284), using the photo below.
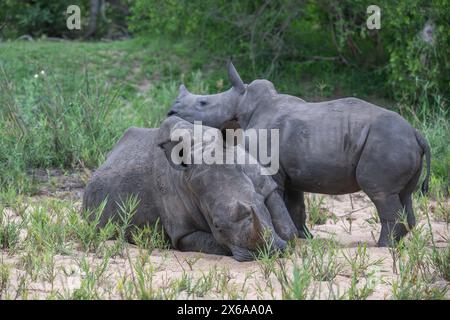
(93, 16)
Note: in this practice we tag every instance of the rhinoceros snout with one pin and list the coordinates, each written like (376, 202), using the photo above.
(174, 108)
(171, 113)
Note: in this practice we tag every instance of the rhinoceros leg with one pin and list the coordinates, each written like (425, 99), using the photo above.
(202, 242)
(408, 207)
(281, 219)
(406, 199)
(295, 203)
(391, 213)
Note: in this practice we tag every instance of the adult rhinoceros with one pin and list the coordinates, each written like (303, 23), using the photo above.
(331, 147)
(219, 209)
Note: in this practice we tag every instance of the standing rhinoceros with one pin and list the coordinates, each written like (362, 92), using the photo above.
(218, 209)
(332, 147)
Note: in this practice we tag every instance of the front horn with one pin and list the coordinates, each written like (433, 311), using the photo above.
(235, 79)
(183, 91)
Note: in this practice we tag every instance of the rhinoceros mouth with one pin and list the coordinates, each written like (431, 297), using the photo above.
(242, 254)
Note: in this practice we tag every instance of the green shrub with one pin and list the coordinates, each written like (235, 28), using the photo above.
(283, 35)
(53, 124)
(418, 69)
(37, 18)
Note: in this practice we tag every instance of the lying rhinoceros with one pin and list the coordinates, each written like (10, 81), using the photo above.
(219, 209)
(332, 147)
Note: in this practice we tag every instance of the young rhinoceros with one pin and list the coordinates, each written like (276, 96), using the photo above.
(332, 147)
(217, 209)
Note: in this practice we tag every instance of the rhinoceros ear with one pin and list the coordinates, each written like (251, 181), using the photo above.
(183, 91)
(174, 138)
(258, 230)
(174, 155)
(235, 79)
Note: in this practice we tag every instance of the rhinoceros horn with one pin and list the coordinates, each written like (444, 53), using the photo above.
(235, 79)
(183, 91)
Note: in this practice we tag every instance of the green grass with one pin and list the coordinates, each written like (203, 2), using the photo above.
(53, 244)
(89, 93)
(67, 103)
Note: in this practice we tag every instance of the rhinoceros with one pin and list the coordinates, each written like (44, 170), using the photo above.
(212, 208)
(331, 147)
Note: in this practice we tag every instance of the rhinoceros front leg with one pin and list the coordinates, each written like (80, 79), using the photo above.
(295, 203)
(201, 241)
(281, 219)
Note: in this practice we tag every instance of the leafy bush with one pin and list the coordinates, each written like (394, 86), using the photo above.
(270, 36)
(53, 127)
(48, 18)
(36, 18)
(418, 43)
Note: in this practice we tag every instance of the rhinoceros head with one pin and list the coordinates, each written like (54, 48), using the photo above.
(224, 194)
(213, 110)
(222, 109)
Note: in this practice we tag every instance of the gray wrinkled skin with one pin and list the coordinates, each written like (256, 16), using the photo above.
(332, 147)
(218, 209)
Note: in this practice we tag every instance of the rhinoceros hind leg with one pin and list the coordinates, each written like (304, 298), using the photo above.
(295, 203)
(392, 217)
(406, 199)
(408, 207)
(201, 241)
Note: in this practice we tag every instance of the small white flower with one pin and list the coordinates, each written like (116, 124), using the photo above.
(43, 72)
(36, 76)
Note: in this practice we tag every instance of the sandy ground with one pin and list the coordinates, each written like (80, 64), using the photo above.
(350, 223)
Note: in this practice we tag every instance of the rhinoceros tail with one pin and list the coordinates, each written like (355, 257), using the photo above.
(426, 149)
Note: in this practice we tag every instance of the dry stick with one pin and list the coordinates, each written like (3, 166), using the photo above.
(393, 252)
(349, 214)
(353, 211)
(348, 230)
(350, 221)
(373, 236)
(184, 270)
(327, 232)
(434, 249)
(443, 237)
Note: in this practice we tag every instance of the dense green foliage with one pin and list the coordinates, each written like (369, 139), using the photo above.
(36, 18)
(47, 18)
(290, 35)
(282, 36)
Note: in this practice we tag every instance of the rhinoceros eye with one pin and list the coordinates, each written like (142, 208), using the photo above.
(203, 103)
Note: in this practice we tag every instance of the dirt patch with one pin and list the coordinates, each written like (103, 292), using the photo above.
(60, 184)
(145, 273)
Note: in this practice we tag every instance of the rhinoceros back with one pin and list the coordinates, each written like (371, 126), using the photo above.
(131, 169)
(330, 136)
